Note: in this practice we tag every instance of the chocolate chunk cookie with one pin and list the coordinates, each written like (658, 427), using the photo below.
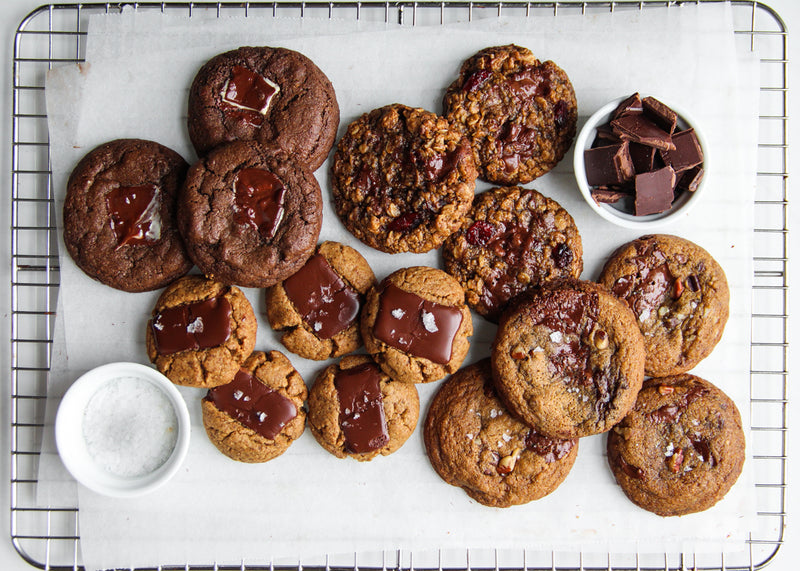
(568, 359)
(512, 239)
(258, 415)
(473, 443)
(318, 307)
(357, 410)
(250, 216)
(274, 96)
(679, 294)
(680, 449)
(416, 325)
(519, 114)
(201, 332)
(119, 215)
(403, 179)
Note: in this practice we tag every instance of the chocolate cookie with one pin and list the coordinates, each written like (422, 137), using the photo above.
(119, 215)
(512, 239)
(416, 325)
(680, 449)
(273, 96)
(258, 415)
(679, 294)
(356, 410)
(403, 179)
(569, 359)
(518, 113)
(249, 216)
(201, 332)
(473, 443)
(318, 307)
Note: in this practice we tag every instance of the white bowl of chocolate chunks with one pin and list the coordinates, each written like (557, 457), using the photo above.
(639, 163)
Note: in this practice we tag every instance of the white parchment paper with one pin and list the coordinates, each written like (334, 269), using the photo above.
(307, 503)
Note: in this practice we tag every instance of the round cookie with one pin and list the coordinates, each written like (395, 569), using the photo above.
(679, 294)
(680, 449)
(200, 332)
(512, 239)
(568, 359)
(472, 442)
(403, 179)
(519, 114)
(249, 215)
(119, 215)
(258, 415)
(318, 307)
(356, 410)
(274, 96)
(416, 325)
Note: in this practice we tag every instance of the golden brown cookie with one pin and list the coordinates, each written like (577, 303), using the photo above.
(258, 415)
(357, 410)
(680, 449)
(474, 443)
(679, 294)
(416, 325)
(201, 331)
(318, 307)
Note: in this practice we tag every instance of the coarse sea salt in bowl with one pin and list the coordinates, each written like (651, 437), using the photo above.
(122, 429)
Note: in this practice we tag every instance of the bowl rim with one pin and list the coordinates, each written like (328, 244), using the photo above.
(72, 447)
(583, 142)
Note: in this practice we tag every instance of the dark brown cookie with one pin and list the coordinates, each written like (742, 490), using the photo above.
(416, 325)
(519, 114)
(474, 443)
(201, 332)
(680, 449)
(357, 410)
(568, 359)
(258, 415)
(679, 294)
(403, 179)
(119, 215)
(512, 239)
(249, 216)
(274, 96)
(318, 307)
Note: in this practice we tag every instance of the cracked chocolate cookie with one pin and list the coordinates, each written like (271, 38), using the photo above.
(258, 415)
(518, 113)
(200, 332)
(356, 410)
(403, 179)
(679, 294)
(416, 325)
(680, 449)
(318, 307)
(568, 359)
(274, 96)
(119, 215)
(512, 239)
(249, 215)
(473, 443)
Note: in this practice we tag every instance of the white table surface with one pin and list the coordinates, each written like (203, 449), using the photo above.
(13, 11)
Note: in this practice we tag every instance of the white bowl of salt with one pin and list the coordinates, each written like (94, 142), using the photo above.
(122, 429)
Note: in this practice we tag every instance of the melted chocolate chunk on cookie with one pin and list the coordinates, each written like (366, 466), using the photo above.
(361, 412)
(135, 217)
(253, 404)
(417, 326)
(529, 84)
(437, 167)
(323, 299)
(551, 449)
(259, 201)
(247, 95)
(516, 142)
(671, 413)
(192, 326)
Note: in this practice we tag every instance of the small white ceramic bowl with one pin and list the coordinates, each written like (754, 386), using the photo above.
(81, 459)
(610, 212)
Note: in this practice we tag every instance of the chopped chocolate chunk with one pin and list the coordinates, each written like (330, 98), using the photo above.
(605, 135)
(640, 129)
(660, 114)
(608, 165)
(691, 179)
(608, 195)
(687, 153)
(654, 191)
(643, 157)
(631, 106)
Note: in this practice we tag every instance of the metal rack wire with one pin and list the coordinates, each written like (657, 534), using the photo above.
(49, 538)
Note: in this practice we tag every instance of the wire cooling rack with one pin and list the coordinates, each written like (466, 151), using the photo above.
(49, 538)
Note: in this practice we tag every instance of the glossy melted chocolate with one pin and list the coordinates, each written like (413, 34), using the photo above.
(247, 95)
(361, 414)
(551, 449)
(135, 216)
(193, 326)
(259, 196)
